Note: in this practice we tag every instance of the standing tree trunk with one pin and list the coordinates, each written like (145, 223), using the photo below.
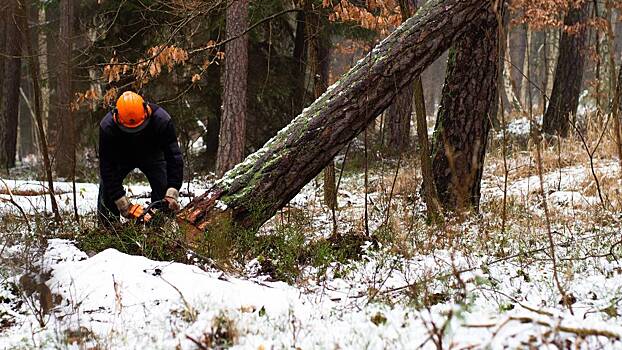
(398, 119)
(568, 74)
(33, 69)
(3, 40)
(616, 107)
(66, 144)
(42, 42)
(468, 105)
(299, 68)
(254, 190)
(430, 197)
(12, 73)
(318, 51)
(232, 136)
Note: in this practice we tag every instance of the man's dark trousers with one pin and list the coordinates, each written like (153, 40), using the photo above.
(155, 172)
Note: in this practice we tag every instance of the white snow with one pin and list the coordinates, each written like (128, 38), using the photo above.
(485, 297)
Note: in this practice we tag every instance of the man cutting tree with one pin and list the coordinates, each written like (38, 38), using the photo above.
(137, 134)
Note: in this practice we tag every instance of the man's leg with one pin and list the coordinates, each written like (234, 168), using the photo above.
(156, 175)
(107, 212)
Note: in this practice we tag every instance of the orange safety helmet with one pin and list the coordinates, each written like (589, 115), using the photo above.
(132, 112)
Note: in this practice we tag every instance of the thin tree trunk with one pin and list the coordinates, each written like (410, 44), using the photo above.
(319, 62)
(614, 87)
(464, 120)
(66, 144)
(616, 110)
(232, 136)
(26, 139)
(34, 75)
(3, 40)
(43, 67)
(253, 191)
(509, 84)
(552, 54)
(430, 196)
(568, 75)
(12, 69)
(300, 50)
(526, 55)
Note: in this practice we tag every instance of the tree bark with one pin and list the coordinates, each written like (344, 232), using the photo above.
(318, 52)
(12, 70)
(232, 136)
(430, 197)
(398, 119)
(248, 195)
(464, 119)
(568, 75)
(3, 21)
(33, 68)
(399, 113)
(300, 51)
(616, 107)
(66, 144)
(42, 42)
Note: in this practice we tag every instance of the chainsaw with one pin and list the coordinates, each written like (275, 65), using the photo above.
(141, 214)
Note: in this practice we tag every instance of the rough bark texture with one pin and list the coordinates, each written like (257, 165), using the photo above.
(33, 69)
(232, 138)
(253, 191)
(300, 51)
(568, 75)
(12, 69)
(319, 63)
(464, 119)
(398, 119)
(616, 106)
(3, 20)
(42, 42)
(400, 111)
(66, 144)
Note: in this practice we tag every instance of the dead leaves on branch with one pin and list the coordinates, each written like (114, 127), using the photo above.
(378, 15)
(158, 59)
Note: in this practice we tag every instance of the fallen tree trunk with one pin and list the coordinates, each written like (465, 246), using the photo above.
(250, 194)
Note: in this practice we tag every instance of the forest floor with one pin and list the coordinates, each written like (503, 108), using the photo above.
(481, 281)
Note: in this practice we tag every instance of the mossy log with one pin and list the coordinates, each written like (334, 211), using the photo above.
(251, 193)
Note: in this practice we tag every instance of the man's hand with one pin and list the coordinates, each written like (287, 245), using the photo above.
(123, 204)
(171, 197)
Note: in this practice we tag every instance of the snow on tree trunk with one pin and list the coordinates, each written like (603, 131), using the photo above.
(464, 119)
(232, 136)
(568, 74)
(248, 195)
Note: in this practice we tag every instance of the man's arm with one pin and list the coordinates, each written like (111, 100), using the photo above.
(108, 168)
(173, 157)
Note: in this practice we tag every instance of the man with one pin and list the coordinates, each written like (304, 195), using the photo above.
(137, 134)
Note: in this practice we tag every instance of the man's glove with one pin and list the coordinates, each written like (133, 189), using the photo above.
(123, 204)
(171, 197)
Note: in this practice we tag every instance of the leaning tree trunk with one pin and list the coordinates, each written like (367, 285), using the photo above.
(248, 195)
(12, 70)
(568, 74)
(66, 145)
(464, 119)
(233, 122)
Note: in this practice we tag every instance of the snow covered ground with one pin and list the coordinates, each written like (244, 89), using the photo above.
(469, 292)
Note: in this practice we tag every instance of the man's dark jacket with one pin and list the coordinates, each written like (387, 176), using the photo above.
(119, 151)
